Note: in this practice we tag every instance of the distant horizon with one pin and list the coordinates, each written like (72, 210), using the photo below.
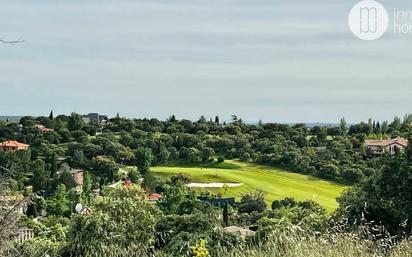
(222, 119)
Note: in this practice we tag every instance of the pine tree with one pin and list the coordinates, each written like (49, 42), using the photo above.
(51, 116)
(217, 119)
(226, 215)
(343, 126)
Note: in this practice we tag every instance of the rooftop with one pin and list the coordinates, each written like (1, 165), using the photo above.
(386, 142)
(239, 231)
(12, 143)
(154, 197)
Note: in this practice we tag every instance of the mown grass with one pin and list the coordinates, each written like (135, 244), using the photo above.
(274, 182)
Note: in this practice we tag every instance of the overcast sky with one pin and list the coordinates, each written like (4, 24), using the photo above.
(275, 60)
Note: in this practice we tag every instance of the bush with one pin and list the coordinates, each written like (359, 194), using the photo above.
(245, 157)
(220, 159)
(252, 202)
(183, 177)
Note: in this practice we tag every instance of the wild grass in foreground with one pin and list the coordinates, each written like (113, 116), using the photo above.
(293, 242)
(342, 246)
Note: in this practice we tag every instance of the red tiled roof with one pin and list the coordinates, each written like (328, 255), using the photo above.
(43, 128)
(12, 143)
(386, 142)
(154, 197)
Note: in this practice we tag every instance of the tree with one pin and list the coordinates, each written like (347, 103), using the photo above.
(41, 176)
(287, 202)
(245, 157)
(252, 202)
(75, 122)
(9, 217)
(119, 224)
(207, 152)
(51, 117)
(343, 126)
(322, 134)
(396, 124)
(87, 185)
(370, 126)
(79, 159)
(134, 176)
(181, 177)
(106, 167)
(144, 159)
(59, 203)
(163, 157)
(217, 119)
(328, 170)
(226, 214)
(177, 199)
(66, 178)
(385, 197)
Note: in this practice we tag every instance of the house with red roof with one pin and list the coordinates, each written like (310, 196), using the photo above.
(381, 146)
(11, 146)
(43, 129)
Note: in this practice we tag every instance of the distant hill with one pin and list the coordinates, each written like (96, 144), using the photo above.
(10, 118)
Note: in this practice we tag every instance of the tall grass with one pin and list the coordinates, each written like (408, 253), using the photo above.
(366, 241)
(339, 246)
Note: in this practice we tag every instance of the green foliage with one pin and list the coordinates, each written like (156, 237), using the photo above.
(144, 159)
(181, 177)
(226, 215)
(58, 204)
(41, 176)
(38, 247)
(66, 179)
(245, 157)
(207, 153)
(75, 122)
(105, 168)
(122, 219)
(251, 202)
(178, 199)
(178, 233)
(285, 203)
(134, 176)
(385, 197)
(79, 159)
(200, 250)
(87, 186)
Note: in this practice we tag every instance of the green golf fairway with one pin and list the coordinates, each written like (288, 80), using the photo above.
(274, 182)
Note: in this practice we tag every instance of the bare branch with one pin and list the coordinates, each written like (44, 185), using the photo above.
(20, 40)
(8, 170)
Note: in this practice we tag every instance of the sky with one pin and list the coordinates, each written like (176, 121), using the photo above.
(274, 60)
